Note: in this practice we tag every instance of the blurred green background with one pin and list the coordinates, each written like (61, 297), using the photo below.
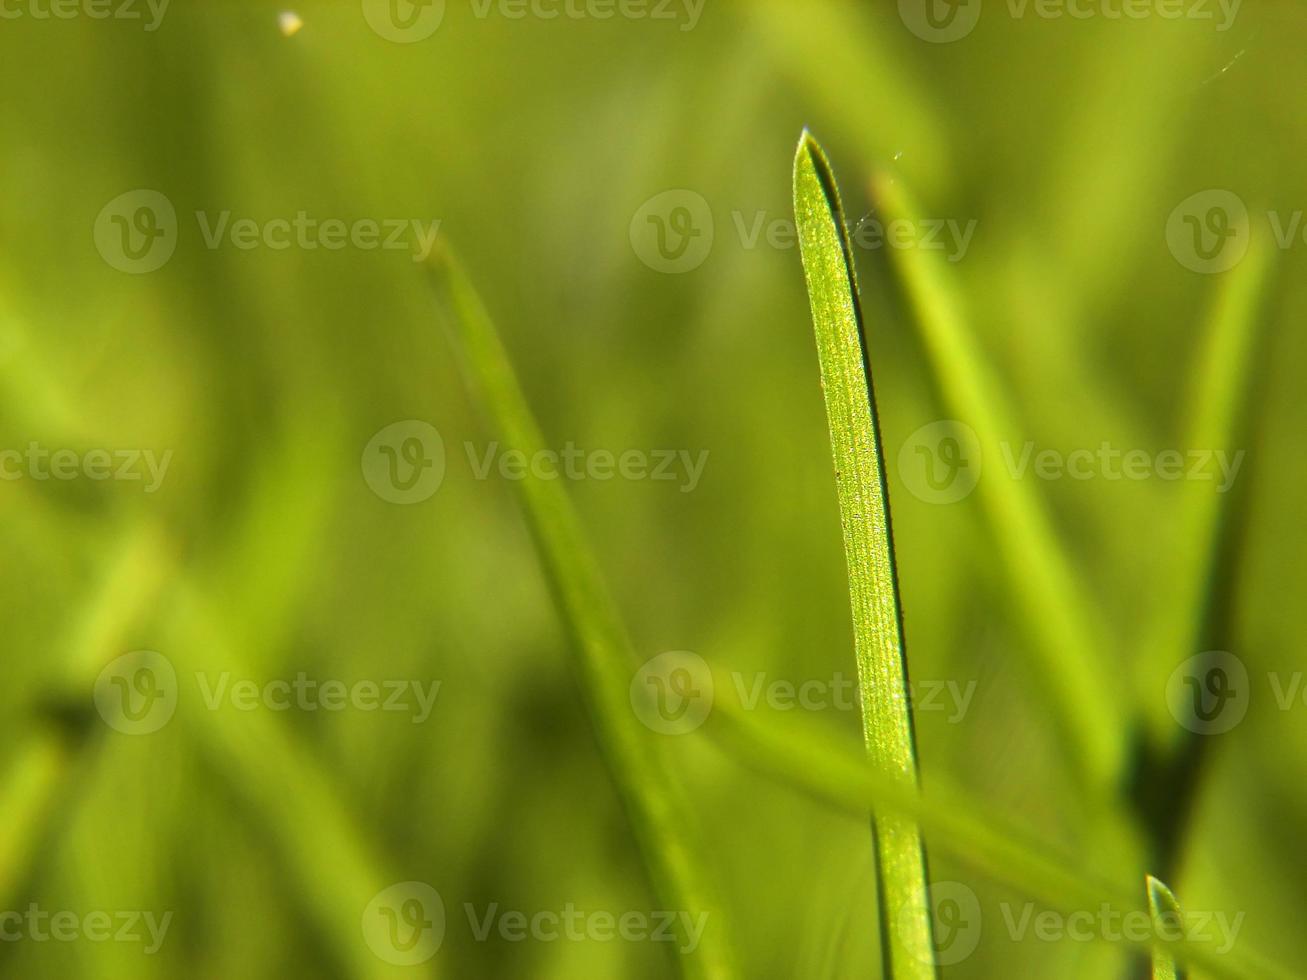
(536, 143)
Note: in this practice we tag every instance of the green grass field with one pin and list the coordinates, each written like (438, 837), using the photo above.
(447, 536)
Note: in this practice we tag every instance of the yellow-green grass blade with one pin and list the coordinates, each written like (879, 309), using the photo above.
(869, 552)
(1215, 416)
(605, 658)
(959, 826)
(1165, 912)
(1059, 616)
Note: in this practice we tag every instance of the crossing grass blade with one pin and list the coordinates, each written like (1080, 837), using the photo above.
(869, 552)
(1216, 410)
(1059, 615)
(605, 658)
(960, 826)
(1165, 910)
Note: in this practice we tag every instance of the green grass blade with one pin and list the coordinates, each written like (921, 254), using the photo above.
(960, 827)
(869, 551)
(1165, 911)
(605, 657)
(1059, 615)
(1215, 414)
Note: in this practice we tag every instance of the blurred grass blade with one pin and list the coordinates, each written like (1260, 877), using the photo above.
(1059, 616)
(1215, 422)
(332, 866)
(605, 657)
(869, 551)
(1167, 920)
(959, 826)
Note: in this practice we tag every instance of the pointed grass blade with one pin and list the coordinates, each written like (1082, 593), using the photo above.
(1166, 915)
(869, 552)
(605, 658)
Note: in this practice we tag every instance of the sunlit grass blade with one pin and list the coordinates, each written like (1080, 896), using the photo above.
(1058, 614)
(869, 551)
(1215, 421)
(605, 658)
(1165, 912)
(959, 826)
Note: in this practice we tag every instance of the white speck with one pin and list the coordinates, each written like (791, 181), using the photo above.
(289, 22)
(898, 156)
